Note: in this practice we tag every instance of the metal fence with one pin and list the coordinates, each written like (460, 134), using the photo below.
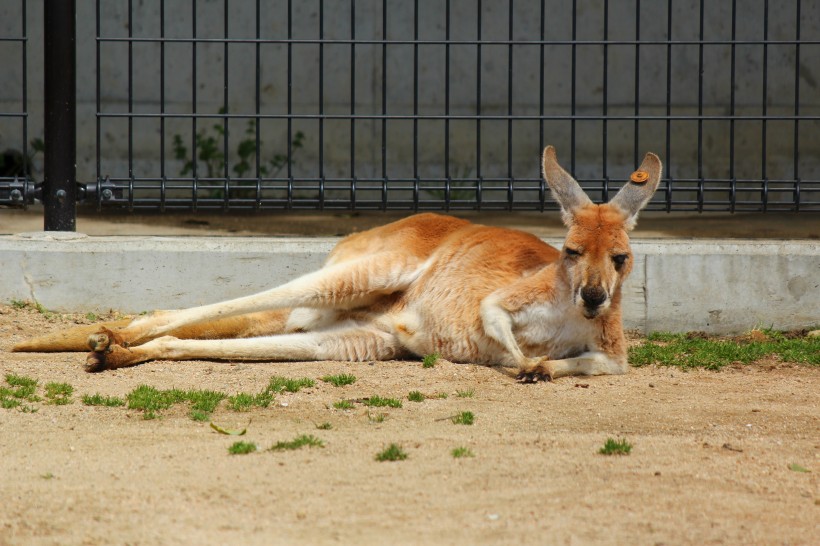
(445, 105)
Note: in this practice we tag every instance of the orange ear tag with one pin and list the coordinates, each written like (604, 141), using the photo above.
(639, 177)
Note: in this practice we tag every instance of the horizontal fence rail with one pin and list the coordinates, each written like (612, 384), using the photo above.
(446, 105)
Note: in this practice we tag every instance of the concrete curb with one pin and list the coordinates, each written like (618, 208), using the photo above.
(718, 286)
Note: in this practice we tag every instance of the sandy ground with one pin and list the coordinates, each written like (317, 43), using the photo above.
(710, 462)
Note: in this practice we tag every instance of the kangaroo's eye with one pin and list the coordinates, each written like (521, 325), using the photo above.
(620, 259)
(571, 252)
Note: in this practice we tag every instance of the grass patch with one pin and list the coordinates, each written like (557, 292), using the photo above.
(461, 452)
(430, 360)
(59, 394)
(151, 401)
(694, 350)
(465, 394)
(379, 402)
(615, 447)
(393, 452)
(285, 384)
(324, 426)
(242, 448)
(415, 396)
(92, 317)
(463, 418)
(305, 440)
(22, 388)
(340, 380)
(244, 401)
(100, 400)
(19, 304)
(343, 404)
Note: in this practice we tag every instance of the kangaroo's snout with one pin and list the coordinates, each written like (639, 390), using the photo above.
(593, 297)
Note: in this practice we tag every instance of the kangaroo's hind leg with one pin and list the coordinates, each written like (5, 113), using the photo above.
(346, 285)
(352, 343)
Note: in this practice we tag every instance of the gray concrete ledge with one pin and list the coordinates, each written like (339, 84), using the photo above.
(713, 285)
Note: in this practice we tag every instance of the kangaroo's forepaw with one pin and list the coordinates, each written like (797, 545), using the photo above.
(535, 372)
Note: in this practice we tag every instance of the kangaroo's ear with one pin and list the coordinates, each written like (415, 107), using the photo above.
(564, 188)
(640, 189)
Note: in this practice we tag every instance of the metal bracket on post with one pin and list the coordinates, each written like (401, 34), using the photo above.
(60, 190)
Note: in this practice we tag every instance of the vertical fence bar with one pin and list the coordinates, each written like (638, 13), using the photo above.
(574, 83)
(637, 134)
(541, 183)
(60, 173)
(225, 101)
(24, 144)
(353, 104)
(195, 173)
(510, 110)
(700, 109)
(604, 139)
(668, 157)
(479, 183)
(733, 56)
(321, 102)
(763, 171)
(257, 103)
(384, 105)
(796, 140)
(162, 173)
(98, 120)
(130, 94)
(416, 105)
(447, 106)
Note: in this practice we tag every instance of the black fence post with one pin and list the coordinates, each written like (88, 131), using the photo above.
(59, 169)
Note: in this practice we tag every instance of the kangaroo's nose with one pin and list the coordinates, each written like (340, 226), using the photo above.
(593, 296)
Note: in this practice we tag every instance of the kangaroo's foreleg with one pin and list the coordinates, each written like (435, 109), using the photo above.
(351, 344)
(589, 363)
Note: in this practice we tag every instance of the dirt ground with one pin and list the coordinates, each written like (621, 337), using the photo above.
(710, 462)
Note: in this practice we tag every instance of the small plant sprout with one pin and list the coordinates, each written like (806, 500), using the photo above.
(324, 426)
(465, 393)
(377, 417)
(242, 448)
(430, 360)
(415, 396)
(343, 405)
(615, 447)
(244, 401)
(463, 418)
(393, 452)
(340, 380)
(461, 452)
(279, 384)
(305, 440)
(59, 394)
(378, 401)
(100, 400)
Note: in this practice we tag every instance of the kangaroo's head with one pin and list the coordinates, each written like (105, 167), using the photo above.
(596, 254)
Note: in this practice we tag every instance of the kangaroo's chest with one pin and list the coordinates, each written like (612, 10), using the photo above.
(556, 330)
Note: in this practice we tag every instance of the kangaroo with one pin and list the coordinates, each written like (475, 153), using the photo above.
(426, 284)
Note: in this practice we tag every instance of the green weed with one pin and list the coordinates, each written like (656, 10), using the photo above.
(430, 360)
(340, 380)
(378, 402)
(242, 448)
(376, 418)
(465, 394)
(391, 453)
(297, 443)
(463, 418)
(100, 400)
(461, 452)
(59, 394)
(615, 447)
(279, 384)
(415, 396)
(343, 404)
(324, 426)
(244, 401)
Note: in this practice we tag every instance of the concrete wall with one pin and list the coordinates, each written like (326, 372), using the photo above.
(464, 75)
(715, 286)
